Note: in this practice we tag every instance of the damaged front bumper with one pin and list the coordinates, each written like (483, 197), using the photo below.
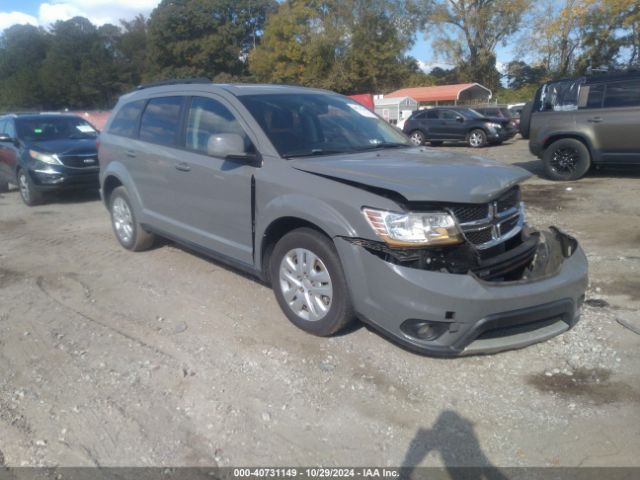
(454, 302)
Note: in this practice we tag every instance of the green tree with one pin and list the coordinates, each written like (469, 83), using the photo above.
(349, 46)
(23, 49)
(130, 53)
(78, 71)
(470, 30)
(520, 73)
(193, 38)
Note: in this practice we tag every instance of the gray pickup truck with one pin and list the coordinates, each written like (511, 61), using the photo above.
(341, 214)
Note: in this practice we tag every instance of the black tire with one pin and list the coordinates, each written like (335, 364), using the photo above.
(417, 137)
(4, 186)
(138, 239)
(340, 312)
(566, 159)
(525, 119)
(477, 133)
(30, 196)
(435, 143)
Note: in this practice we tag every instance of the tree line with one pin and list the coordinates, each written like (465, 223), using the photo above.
(350, 46)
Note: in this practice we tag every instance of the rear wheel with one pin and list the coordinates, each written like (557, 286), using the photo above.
(30, 196)
(566, 159)
(309, 284)
(417, 137)
(128, 231)
(477, 138)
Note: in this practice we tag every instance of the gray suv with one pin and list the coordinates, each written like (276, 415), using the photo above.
(341, 214)
(589, 121)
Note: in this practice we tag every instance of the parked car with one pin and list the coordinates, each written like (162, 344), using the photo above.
(341, 214)
(499, 111)
(591, 121)
(47, 152)
(457, 124)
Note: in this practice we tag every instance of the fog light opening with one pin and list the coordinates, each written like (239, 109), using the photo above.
(423, 329)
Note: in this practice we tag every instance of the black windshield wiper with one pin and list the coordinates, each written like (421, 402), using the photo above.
(315, 151)
(383, 145)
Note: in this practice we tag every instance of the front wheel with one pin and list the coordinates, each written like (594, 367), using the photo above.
(309, 284)
(477, 138)
(417, 137)
(128, 231)
(30, 196)
(566, 159)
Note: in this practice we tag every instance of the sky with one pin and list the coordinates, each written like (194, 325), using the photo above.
(37, 12)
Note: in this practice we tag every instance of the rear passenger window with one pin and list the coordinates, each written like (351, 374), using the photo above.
(623, 94)
(125, 122)
(209, 117)
(160, 120)
(432, 114)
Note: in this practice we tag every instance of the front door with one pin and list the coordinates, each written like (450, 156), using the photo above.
(214, 201)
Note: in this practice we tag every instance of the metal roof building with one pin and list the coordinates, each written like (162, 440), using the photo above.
(461, 93)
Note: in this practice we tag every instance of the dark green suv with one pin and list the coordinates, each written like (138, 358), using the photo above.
(592, 121)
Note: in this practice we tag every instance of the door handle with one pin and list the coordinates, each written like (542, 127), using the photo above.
(183, 167)
(595, 119)
(131, 154)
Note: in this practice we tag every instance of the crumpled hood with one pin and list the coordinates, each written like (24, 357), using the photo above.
(420, 174)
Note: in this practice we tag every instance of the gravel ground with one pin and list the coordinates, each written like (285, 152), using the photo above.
(166, 358)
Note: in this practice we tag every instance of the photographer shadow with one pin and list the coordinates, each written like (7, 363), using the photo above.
(453, 437)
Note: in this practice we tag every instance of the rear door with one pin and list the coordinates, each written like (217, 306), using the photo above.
(213, 204)
(611, 115)
(152, 157)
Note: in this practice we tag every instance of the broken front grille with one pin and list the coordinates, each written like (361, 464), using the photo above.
(490, 224)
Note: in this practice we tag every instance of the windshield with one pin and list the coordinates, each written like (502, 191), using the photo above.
(45, 128)
(320, 124)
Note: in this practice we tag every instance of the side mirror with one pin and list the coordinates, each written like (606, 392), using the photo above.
(226, 145)
(4, 138)
(460, 119)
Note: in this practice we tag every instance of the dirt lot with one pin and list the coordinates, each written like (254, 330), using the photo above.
(166, 358)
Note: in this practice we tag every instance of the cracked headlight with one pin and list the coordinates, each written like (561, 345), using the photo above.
(45, 157)
(413, 229)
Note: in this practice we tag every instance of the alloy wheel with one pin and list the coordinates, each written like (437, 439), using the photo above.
(25, 190)
(306, 284)
(122, 220)
(475, 139)
(416, 138)
(564, 160)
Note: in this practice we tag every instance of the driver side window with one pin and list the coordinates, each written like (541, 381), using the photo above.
(208, 117)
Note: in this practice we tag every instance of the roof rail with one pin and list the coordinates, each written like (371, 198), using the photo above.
(175, 81)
